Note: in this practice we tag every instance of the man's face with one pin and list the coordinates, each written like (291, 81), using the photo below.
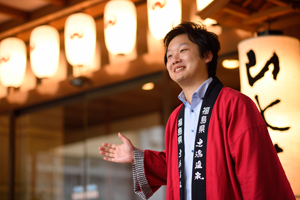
(184, 64)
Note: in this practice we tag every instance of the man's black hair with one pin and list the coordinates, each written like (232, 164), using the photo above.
(197, 33)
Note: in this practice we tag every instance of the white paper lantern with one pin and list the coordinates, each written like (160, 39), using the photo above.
(44, 51)
(120, 26)
(12, 62)
(91, 67)
(80, 39)
(269, 74)
(163, 15)
(29, 81)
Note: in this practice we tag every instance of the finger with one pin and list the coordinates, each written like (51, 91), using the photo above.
(107, 154)
(104, 149)
(109, 145)
(123, 137)
(109, 159)
(107, 150)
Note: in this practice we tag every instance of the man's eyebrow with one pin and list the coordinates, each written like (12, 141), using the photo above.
(184, 43)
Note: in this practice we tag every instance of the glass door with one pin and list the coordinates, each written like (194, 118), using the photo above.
(57, 154)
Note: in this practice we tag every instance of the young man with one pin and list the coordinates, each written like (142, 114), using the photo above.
(217, 145)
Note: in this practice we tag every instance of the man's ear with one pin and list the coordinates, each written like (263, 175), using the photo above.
(208, 57)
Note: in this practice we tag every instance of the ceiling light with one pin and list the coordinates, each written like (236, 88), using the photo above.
(148, 86)
(230, 63)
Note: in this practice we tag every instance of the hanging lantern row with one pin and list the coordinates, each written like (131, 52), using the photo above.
(120, 27)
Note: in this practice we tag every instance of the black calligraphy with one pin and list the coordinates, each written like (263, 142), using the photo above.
(262, 111)
(275, 61)
(252, 62)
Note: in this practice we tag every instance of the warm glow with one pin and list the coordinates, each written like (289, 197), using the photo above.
(80, 39)
(148, 86)
(120, 25)
(12, 62)
(163, 15)
(201, 4)
(273, 68)
(44, 51)
(230, 63)
(29, 81)
(211, 24)
(3, 91)
(93, 66)
(215, 28)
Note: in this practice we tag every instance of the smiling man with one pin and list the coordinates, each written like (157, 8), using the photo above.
(217, 145)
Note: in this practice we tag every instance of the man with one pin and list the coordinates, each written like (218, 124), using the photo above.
(217, 145)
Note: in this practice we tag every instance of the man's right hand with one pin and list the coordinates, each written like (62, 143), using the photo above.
(123, 153)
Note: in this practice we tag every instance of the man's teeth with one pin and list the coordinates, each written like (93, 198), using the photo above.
(178, 69)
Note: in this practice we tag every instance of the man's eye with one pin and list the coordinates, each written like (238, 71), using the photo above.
(182, 50)
(169, 56)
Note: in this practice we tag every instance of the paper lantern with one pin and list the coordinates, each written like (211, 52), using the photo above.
(163, 15)
(269, 74)
(201, 4)
(12, 62)
(92, 66)
(44, 51)
(80, 39)
(120, 26)
(29, 81)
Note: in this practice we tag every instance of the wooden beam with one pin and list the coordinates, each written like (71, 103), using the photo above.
(269, 13)
(236, 10)
(57, 2)
(278, 3)
(246, 3)
(13, 13)
(59, 13)
(212, 8)
(264, 6)
(286, 23)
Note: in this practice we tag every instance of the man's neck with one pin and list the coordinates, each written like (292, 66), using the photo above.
(190, 89)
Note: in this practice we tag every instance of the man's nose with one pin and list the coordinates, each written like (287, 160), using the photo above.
(176, 59)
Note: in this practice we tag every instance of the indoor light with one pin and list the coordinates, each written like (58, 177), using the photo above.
(80, 39)
(44, 51)
(163, 15)
(230, 63)
(201, 4)
(148, 86)
(120, 25)
(12, 62)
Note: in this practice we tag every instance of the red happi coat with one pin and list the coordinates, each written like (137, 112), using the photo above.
(241, 161)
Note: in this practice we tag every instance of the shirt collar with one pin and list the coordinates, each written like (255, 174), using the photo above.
(198, 94)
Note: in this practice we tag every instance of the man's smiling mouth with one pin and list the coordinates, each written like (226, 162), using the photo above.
(179, 68)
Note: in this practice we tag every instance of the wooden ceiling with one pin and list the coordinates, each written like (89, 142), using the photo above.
(235, 16)
(254, 15)
(250, 15)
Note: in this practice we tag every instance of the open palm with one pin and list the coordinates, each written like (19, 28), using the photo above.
(123, 153)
